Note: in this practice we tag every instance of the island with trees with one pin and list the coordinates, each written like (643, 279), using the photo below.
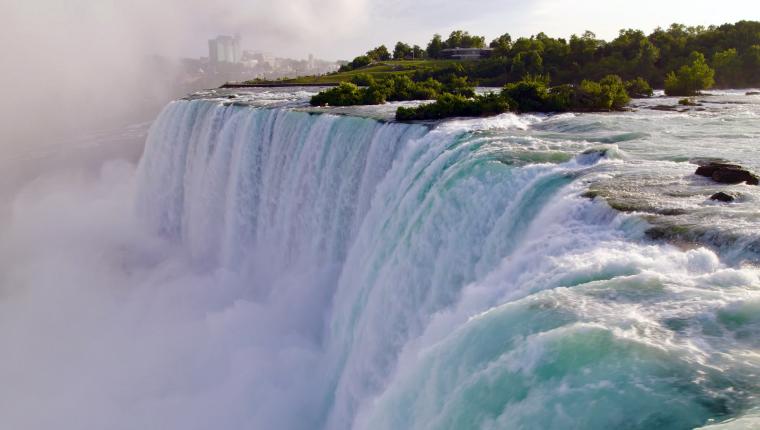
(546, 74)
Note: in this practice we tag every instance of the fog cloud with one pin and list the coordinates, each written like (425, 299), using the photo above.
(104, 326)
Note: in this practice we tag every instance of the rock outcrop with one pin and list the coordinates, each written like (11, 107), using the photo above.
(722, 197)
(726, 173)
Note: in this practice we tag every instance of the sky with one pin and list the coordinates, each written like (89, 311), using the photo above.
(342, 29)
(67, 64)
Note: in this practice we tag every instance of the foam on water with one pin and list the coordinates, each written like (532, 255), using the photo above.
(452, 281)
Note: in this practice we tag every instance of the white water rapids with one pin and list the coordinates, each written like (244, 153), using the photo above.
(292, 270)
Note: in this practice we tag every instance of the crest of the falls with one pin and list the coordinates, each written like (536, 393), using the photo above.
(451, 281)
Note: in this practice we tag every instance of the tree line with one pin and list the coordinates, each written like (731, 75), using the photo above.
(732, 51)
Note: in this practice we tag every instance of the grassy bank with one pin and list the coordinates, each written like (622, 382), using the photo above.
(378, 70)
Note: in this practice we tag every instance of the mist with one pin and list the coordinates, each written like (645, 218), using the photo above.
(105, 326)
(103, 323)
(84, 65)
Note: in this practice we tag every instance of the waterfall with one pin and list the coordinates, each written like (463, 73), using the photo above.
(444, 286)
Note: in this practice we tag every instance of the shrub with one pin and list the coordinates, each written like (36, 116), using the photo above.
(560, 98)
(379, 54)
(451, 105)
(401, 87)
(395, 88)
(533, 94)
(460, 85)
(356, 63)
(363, 80)
(639, 88)
(529, 94)
(373, 95)
(690, 78)
(345, 94)
(615, 88)
(607, 94)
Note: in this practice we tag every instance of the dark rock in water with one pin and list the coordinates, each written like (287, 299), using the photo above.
(726, 173)
(722, 197)
(707, 170)
(601, 152)
(753, 93)
(670, 211)
(666, 108)
(734, 176)
(592, 155)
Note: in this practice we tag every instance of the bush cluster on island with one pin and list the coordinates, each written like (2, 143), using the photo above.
(456, 96)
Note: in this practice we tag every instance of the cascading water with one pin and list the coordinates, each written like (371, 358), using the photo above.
(446, 279)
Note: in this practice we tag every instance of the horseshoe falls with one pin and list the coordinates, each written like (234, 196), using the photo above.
(279, 267)
(454, 276)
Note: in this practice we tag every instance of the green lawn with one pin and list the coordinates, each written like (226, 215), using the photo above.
(377, 70)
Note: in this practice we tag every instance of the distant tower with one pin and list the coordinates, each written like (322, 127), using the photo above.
(224, 49)
(237, 52)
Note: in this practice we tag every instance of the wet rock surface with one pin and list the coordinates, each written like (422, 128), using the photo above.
(722, 197)
(726, 173)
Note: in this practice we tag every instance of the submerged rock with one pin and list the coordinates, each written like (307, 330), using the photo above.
(708, 169)
(592, 155)
(753, 93)
(722, 197)
(665, 108)
(688, 102)
(726, 173)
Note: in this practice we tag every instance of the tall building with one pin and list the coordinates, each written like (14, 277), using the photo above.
(224, 49)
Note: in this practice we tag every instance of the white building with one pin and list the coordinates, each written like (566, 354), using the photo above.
(224, 49)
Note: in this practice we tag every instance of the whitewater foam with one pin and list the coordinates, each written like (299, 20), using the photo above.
(295, 270)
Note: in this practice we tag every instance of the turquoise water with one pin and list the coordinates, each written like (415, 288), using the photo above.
(459, 276)
(269, 265)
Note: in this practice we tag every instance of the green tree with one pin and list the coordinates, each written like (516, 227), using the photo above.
(460, 85)
(356, 63)
(751, 63)
(363, 79)
(345, 94)
(584, 48)
(639, 88)
(607, 94)
(402, 51)
(435, 47)
(527, 63)
(501, 45)
(529, 94)
(463, 39)
(379, 54)
(728, 68)
(614, 86)
(418, 52)
(690, 78)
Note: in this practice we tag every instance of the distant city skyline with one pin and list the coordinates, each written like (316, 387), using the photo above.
(357, 25)
(87, 45)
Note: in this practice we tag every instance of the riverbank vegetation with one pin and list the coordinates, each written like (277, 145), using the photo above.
(585, 73)
(732, 51)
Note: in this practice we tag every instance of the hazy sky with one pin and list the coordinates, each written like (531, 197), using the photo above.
(70, 62)
(343, 28)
